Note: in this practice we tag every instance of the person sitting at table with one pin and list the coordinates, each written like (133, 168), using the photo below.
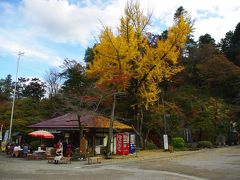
(7, 148)
(58, 156)
(25, 150)
(11, 147)
(16, 150)
(43, 147)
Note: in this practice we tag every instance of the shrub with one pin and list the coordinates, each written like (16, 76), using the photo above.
(150, 146)
(178, 142)
(205, 144)
(192, 146)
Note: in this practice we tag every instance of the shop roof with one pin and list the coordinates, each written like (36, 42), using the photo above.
(69, 121)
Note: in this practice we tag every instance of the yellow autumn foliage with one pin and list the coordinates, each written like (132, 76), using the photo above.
(127, 55)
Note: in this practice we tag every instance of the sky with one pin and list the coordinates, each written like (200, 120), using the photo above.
(49, 31)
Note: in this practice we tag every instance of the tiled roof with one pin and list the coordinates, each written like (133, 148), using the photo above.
(70, 121)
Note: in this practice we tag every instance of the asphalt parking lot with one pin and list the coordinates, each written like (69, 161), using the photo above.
(219, 163)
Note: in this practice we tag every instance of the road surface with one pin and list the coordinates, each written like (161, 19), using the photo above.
(219, 163)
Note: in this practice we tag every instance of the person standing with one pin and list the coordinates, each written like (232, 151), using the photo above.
(59, 145)
(69, 149)
(64, 147)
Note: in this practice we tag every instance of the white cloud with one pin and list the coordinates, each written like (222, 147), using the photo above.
(215, 17)
(15, 36)
(64, 22)
(22, 40)
(58, 21)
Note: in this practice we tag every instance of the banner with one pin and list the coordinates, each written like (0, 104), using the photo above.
(165, 140)
(5, 135)
(3, 146)
(1, 132)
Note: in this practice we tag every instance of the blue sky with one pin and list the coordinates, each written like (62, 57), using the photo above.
(48, 31)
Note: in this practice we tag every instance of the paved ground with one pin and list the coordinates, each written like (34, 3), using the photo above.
(220, 163)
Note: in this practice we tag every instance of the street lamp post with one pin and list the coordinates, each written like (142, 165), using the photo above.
(14, 94)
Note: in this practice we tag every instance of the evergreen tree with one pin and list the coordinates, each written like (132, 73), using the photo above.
(89, 56)
(206, 39)
(6, 87)
(230, 45)
(35, 89)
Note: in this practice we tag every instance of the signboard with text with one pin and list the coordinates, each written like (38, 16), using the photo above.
(165, 140)
(122, 143)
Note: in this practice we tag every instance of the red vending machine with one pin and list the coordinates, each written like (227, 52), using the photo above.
(122, 144)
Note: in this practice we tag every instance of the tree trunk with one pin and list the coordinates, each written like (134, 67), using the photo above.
(200, 134)
(141, 142)
(140, 138)
(164, 113)
(110, 133)
(140, 130)
(80, 129)
(146, 137)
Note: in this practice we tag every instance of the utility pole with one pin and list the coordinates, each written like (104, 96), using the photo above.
(14, 94)
(110, 132)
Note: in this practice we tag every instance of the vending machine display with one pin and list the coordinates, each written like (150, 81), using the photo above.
(132, 147)
(122, 144)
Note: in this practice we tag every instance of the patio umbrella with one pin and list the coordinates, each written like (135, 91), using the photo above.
(41, 134)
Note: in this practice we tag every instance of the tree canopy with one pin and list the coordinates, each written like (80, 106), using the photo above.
(125, 61)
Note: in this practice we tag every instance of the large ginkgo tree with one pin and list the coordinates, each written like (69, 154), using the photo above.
(125, 60)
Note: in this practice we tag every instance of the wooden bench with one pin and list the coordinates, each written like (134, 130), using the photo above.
(50, 159)
(67, 160)
(94, 160)
(32, 157)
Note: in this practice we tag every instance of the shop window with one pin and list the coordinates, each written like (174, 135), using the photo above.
(99, 141)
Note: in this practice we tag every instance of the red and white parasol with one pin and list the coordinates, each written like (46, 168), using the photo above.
(41, 134)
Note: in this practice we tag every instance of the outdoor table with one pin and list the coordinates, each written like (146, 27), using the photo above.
(40, 154)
